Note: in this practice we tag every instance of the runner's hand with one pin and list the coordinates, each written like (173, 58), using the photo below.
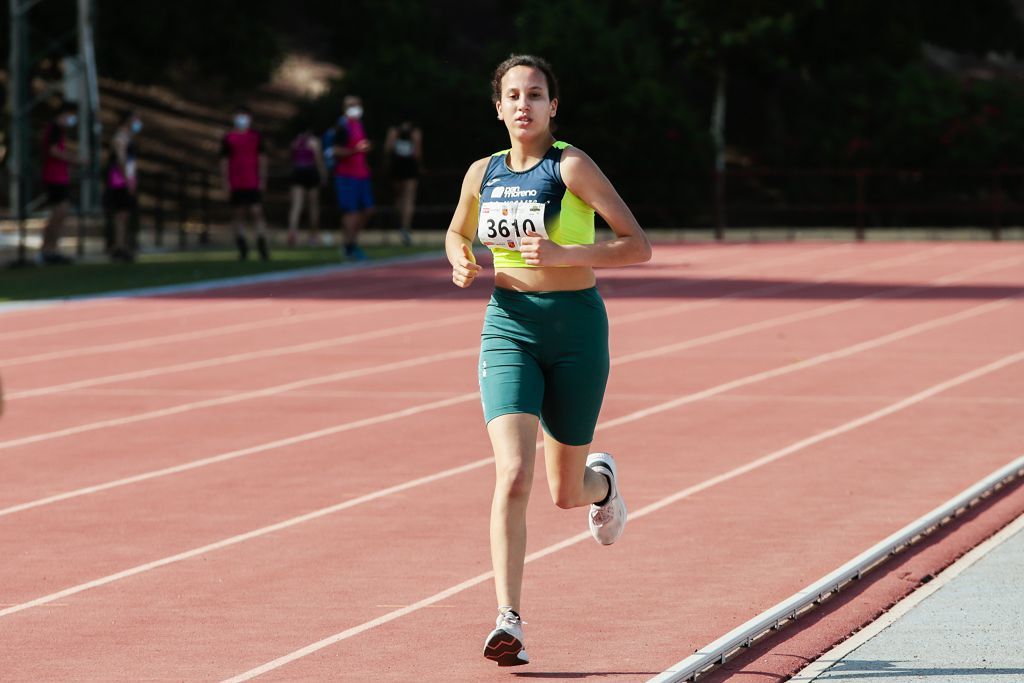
(465, 269)
(538, 251)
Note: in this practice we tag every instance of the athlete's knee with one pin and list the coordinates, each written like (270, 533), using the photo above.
(513, 481)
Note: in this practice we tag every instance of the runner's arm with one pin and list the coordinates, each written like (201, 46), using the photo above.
(458, 242)
(585, 180)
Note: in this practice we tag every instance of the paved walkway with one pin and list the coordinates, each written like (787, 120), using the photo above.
(968, 628)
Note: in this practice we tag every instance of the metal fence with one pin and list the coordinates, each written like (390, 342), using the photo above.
(181, 205)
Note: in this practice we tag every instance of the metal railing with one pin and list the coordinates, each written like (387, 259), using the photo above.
(743, 636)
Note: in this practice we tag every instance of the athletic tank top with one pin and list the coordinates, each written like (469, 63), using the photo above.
(303, 155)
(514, 203)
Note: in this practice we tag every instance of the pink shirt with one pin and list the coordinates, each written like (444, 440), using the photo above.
(55, 171)
(242, 149)
(353, 166)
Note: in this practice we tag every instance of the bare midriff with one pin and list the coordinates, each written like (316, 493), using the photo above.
(545, 279)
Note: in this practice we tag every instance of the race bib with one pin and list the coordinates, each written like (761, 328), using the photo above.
(505, 224)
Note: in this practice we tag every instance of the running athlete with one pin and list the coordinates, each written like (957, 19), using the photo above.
(544, 346)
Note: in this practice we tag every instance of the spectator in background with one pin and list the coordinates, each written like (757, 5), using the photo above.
(352, 176)
(122, 184)
(404, 149)
(243, 167)
(57, 179)
(308, 174)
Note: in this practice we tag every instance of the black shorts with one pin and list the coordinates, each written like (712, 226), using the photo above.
(306, 176)
(404, 168)
(119, 199)
(246, 197)
(57, 193)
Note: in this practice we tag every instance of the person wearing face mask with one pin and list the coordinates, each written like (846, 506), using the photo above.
(57, 161)
(404, 149)
(122, 183)
(352, 176)
(308, 174)
(243, 170)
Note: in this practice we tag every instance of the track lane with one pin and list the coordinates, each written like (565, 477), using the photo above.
(258, 497)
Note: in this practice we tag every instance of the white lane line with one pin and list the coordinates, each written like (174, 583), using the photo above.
(822, 310)
(229, 285)
(208, 332)
(173, 410)
(637, 415)
(842, 650)
(642, 512)
(242, 452)
(878, 341)
(208, 306)
(210, 362)
(240, 357)
(665, 310)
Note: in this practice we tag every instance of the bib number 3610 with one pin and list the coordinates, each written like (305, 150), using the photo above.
(505, 224)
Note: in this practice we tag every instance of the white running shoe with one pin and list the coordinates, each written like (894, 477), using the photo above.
(504, 645)
(607, 521)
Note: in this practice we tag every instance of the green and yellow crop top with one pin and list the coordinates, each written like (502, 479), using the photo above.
(514, 203)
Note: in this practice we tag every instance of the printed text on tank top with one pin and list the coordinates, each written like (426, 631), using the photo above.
(514, 204)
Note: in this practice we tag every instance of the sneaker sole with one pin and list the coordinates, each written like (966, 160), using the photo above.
(504, 648)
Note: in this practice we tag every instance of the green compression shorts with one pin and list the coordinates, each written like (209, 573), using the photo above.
(546, 353)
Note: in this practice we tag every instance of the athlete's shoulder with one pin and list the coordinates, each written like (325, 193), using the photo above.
(475, 174)
(478, 167)
(574, 161)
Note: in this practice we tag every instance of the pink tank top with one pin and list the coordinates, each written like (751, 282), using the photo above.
(303, 155)
(353, 166)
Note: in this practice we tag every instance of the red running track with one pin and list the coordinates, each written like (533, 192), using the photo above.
(292, 478)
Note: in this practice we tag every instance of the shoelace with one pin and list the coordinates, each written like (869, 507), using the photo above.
(601, 515)
(511, 618)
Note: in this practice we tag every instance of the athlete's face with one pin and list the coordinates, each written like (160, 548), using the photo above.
(525, 105)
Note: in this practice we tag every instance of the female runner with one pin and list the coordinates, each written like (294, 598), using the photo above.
(544, 345)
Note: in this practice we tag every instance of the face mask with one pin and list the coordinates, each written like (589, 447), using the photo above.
(136, 126)
(242, 121)
(71, 121)
(354, 112)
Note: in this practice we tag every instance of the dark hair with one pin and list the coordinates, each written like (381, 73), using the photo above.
(126, 116)
(242, 109)
(67, 108)
(513, 61)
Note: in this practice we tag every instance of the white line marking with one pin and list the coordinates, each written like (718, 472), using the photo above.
(235, 398)
(664, 310)
(642, 512)
(211, 306)
(242, 357)
(230, 455)
(227, 284)
(776, 455)
(843, 649)
(210, 362)
(206, 333)
(668, 405)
